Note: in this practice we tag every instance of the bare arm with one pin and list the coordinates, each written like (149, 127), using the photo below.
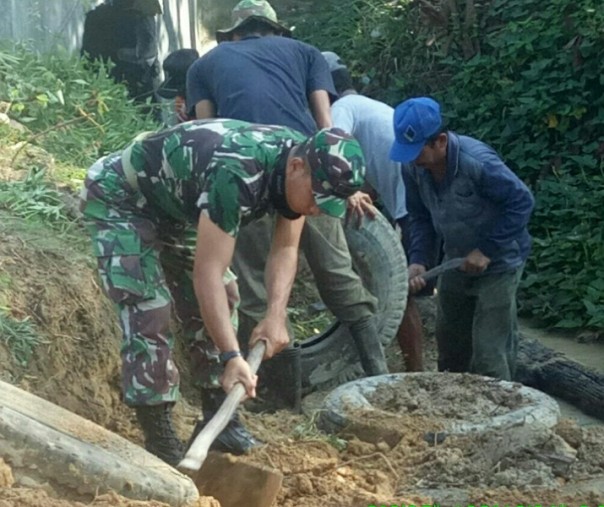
(212, 258)
(282, 264)
(320, 108)
(280, 273)
(205, 109)
(213, 255)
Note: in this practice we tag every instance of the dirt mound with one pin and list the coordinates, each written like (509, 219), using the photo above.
(74, 339)
(459, 470)
(463, 398)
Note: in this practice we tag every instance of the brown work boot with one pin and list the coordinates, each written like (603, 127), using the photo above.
(160, 437)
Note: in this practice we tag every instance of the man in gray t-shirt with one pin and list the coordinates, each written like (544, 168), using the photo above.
(370, 122)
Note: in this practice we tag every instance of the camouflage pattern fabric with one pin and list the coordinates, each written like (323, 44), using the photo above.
(145, 267)
(338, 168)
(246, 10)
(220, 168)
(141, 208)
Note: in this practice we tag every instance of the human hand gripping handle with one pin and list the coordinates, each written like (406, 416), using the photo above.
(198, 451)
(273, 332)
(416, 281)
(475, 262)
(418, 276)
(238, 371)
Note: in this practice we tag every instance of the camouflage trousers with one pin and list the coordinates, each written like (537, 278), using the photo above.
(146, 269)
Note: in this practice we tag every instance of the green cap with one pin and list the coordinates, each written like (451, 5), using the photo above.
(337, 167)
(247, 10)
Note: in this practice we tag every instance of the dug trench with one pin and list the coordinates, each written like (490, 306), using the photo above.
(64, 346)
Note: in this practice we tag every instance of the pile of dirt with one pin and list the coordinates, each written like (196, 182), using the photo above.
(24, 497)
(76, 361)
(565, 464)
(468, 398)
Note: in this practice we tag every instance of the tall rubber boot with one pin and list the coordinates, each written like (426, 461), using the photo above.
(280, 381)
(235, 438)
(160, 437)
(371, 353)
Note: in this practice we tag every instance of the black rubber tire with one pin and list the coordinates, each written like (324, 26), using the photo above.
(348, 405)
(330, 358)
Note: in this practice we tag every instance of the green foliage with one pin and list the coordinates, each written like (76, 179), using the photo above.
(307, 323)
(34, 197)
(536, 94)
(565, 281)
(75, 112)
(20, 336)
(369, 37)
(525, 76)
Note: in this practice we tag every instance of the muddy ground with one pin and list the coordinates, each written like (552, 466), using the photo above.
(48, 279)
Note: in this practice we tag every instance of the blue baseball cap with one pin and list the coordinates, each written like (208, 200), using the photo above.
(415, 121)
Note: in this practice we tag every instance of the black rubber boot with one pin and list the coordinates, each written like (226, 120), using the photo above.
(371, 353)
(160, 437)
(280, 382)
(235, 438)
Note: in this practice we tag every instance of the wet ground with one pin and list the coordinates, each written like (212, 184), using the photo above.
(590, 354)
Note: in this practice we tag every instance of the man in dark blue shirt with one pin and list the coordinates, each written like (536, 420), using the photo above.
(254, 76)
(272, 79)
(458, 188)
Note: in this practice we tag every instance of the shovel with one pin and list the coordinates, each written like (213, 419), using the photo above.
(442, 268)
(231, 481)
(198, 451)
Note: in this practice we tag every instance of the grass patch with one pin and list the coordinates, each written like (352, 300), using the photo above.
(34, 234)
(35, 198)
(20, 336)
(306, 311)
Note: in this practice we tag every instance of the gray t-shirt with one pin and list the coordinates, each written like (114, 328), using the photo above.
(370, 122)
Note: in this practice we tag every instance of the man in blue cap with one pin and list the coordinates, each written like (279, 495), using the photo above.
(460, 189)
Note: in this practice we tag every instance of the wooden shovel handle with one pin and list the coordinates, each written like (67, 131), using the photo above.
(198, 451)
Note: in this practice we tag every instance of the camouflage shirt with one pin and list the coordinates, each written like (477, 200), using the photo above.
(220, 168)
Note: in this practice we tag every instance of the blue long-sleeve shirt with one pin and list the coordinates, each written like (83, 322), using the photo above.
(480, 204)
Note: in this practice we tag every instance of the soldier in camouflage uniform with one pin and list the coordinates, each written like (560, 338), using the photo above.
(144, 207)
(259, 74)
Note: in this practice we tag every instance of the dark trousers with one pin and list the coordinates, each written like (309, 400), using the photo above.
(476, 323)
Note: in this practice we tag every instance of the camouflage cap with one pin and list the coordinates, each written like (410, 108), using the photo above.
(245, 11)
(337, 166)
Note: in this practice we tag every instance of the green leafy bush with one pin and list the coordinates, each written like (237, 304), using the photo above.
(76, 113)
(525, 76)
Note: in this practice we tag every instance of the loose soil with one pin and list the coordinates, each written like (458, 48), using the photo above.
(467, 398)
(50, 279)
